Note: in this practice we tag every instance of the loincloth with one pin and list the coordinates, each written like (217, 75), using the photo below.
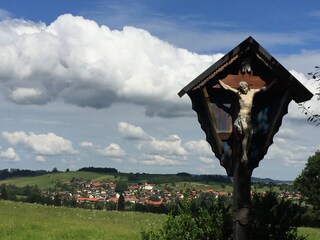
(238, 122)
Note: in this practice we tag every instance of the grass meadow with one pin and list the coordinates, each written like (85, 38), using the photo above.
(23, 221)
(37, 222)
(311, 233)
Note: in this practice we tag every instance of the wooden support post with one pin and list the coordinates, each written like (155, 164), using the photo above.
(241, 202)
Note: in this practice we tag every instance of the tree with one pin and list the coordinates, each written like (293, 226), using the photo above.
(121, 187)
(57, 200)
(4, 193)
(121, 203)
(308, 182)
(275, 218)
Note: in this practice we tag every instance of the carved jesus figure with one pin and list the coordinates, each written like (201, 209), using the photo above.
(243, 121)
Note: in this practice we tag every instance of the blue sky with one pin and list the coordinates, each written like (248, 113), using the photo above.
(95, 83)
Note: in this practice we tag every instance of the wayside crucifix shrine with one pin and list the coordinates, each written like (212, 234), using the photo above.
(240, 101)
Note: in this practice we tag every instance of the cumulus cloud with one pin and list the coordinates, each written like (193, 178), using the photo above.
(112, 150)
(10, 155)
(132, 132)
(207, 161)
(82, 63)
(200, 147)
(169, 146)
(86, 144)
(40, 158)
(85, 64)
(160, 160)
(46, 144)
(26, 96)
(288, 152)
(287, 133)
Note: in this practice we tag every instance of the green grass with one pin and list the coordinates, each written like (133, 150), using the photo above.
(21, 221)
(49, 180)
(311, 233)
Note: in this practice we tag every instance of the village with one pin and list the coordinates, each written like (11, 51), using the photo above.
(89, 193)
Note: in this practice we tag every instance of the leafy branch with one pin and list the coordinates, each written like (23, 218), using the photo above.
(312, 117)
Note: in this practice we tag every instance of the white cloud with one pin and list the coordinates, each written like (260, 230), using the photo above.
(200, 147)
(112, 150)
(90, 65)
(302, 62)
(160, 160)
(26, 95)
(168, 146)
(132, 132)
(310, 84)
(85, 64)
(10, 155)
(86, 144)
(47, 144)
(208, 161)
(289, 152)
(40, 158)
(4, 14)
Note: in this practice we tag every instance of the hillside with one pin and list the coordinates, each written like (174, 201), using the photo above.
(50, 179)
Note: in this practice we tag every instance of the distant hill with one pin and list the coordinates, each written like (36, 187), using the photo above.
(98, 169)
(269, 180)
(44, 179)
(15, 172)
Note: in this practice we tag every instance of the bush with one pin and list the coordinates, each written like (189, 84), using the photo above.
(207, 218)
(275, 218)
(195, 221)
(311, 218)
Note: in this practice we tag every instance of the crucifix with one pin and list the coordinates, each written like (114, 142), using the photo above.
(245, 95)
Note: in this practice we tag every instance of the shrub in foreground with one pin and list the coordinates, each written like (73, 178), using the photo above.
(203, 219)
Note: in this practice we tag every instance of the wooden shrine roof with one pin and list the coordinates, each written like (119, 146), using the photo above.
(298, 92)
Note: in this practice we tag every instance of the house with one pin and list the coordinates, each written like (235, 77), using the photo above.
(82, 200)
(131, 199)
(148, 186)
(113, 199)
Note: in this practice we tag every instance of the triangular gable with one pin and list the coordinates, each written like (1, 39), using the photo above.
(299, 92)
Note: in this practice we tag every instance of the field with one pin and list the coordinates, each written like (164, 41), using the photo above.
(21, 221)
(32, 221)
(49, 180)
(311, 233)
